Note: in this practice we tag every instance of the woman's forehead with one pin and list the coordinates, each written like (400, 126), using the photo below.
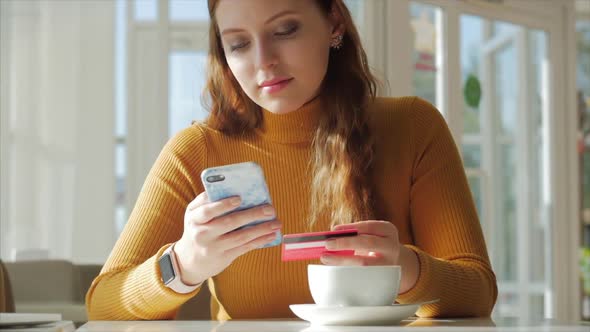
(241, 13)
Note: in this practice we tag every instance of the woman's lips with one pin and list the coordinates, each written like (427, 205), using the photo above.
(275, 86)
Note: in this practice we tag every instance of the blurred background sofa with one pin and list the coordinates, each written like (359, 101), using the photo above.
(51, 286)
(59, 286)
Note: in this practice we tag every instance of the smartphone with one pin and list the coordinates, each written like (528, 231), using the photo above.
(245, 180)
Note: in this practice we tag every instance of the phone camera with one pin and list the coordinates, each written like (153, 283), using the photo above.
(215, 178)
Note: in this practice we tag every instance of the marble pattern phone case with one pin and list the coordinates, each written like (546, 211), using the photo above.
(243, 179)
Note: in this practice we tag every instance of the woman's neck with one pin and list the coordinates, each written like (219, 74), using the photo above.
(293, 127)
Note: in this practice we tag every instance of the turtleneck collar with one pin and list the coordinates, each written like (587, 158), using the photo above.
(293, 127)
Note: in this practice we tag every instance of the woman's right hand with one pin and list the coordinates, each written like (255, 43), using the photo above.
(208, 246)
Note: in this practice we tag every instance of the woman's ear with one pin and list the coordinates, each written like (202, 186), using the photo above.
(336, 22)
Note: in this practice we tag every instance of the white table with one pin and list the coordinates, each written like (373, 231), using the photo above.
(34, 322)
(61, 326)
(475, 325)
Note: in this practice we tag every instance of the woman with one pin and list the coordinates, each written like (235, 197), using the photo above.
(290, 88)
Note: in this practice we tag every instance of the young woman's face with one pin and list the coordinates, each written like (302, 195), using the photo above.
(276, 49)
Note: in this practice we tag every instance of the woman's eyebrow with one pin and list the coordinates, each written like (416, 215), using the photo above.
(283, 13)
(270, 19)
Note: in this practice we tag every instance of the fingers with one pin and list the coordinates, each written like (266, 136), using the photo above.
(359, 242)
(212, 221)
(246, 235)
(202, 211)
(238, 219)
(356, 260)
(376, 244)
(198, 201)
(256, 243)
(374, 227)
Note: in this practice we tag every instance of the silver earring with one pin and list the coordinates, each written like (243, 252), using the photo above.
(336, 42)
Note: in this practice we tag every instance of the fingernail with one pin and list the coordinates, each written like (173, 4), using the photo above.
(276, 225)
(330, 244)
(267, 210)
(235, 201)
(325, 259)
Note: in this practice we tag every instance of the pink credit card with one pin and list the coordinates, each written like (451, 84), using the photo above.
(304, 246)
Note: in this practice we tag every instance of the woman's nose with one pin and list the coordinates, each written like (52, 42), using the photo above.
(266, 55)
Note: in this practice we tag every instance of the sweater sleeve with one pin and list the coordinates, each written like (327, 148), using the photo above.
(129, 286)
(448, 239)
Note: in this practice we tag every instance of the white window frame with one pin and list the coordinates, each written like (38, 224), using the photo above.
(557, 19)
(147, 103)
(5, 137)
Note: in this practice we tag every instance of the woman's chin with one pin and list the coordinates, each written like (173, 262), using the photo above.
(280, 106)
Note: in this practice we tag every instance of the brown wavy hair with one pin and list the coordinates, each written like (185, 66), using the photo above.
(343, 145)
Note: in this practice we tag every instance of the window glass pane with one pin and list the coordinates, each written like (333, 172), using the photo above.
(120, 218)
(586, 182)
(476, 191)
(538, 226)
(537, 303)
(501, 29)
(187, 80)
(146, 10)
(471, 37)
(471, 156)
(120, 163)
(120, 72)
(506, 260)
(510, 306)
(583, 50)
(424, 52)
(120, 114)
(498, 135)
(120, 186)
(583, 83)
(583, 95)
(356, 11)
(538, 247)
(506, 86)
(189, 10)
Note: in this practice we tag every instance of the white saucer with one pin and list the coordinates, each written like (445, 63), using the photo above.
(341, 315)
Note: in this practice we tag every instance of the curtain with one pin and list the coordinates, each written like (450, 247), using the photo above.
(57, 106)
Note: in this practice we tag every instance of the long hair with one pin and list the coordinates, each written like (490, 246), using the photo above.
(342, 145)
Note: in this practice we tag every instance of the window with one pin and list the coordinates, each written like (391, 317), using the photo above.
(187, 78)
(502, 147)
(120, 114)
(424, 50)
(583, 84)
(146, 10)
(188, 10)
(498, 119)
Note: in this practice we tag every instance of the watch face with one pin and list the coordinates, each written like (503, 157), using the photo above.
(166, 269)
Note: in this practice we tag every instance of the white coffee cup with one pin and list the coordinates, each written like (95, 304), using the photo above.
(354, 285)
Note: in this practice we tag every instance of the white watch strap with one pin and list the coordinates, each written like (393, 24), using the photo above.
(176, 284)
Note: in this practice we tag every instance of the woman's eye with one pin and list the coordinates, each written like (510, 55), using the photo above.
(288, 31)
(238, 46)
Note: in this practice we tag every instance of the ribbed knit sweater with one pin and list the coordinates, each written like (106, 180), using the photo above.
(419, 185)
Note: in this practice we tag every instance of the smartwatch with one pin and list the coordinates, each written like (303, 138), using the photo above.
(170, 273)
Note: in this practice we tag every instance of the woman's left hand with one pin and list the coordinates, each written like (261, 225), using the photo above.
(377, 243)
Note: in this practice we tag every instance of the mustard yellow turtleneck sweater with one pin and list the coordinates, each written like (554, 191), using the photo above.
(419, 185)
